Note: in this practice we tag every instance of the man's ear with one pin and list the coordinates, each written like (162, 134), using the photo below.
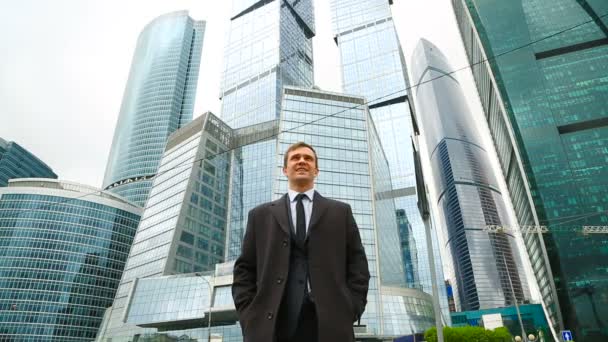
(284, 171)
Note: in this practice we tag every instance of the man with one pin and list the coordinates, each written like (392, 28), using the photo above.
(302, 274)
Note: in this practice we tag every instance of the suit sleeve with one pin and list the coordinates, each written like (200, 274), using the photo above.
(357, 268)
(245, 269)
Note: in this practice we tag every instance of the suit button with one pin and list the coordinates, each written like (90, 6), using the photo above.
(284, 243)
(279, 280)
(269, 316)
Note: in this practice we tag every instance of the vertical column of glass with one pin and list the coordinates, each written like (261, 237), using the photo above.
(268, 45)
(150, 250)
(344, 160)
(372, 65)
(158, 99)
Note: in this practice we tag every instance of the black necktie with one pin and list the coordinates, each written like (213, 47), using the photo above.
(300, 220)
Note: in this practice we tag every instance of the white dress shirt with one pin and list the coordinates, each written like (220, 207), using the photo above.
(307, 202)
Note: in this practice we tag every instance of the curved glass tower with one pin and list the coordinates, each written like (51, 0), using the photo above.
(486, 265)
(158, 99)
(62, 252)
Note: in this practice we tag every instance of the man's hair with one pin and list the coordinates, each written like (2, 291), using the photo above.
(295, 147)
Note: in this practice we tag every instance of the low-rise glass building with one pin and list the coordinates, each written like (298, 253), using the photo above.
(532, 317)
(17, 162)
(63, 247)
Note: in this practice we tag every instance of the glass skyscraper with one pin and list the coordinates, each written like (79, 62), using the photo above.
(158, 99)
(373, 66)
(183, 226)
(17, 162)
(544, 95)
(355, 170)
(63, 247)
(186, 210)
(486, 267)
(269, 45)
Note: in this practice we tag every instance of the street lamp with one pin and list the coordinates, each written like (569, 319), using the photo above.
(202, 276)
(521, 324)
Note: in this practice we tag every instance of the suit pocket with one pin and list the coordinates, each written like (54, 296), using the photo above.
(350, 303)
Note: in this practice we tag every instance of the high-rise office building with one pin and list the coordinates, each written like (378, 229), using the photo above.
(373, 66)
(544, 96)
(183, 226)
(487, 270)
(158, 99)
(269, 45)
(17, 162)
(63, 247)
(353, 169)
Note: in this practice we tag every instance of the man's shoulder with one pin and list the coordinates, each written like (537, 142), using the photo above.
(335, 203)
(265, 206)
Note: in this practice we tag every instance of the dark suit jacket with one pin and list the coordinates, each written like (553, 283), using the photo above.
(338, 269)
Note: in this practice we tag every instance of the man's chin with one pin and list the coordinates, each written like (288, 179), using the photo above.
(303, 180)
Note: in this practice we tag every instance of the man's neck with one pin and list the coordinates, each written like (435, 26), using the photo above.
(301, 188)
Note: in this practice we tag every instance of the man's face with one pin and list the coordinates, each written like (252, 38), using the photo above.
(301, 167)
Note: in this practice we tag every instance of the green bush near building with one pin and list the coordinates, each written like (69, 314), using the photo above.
(469, 334)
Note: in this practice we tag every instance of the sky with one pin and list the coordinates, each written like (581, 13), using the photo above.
(65, 63)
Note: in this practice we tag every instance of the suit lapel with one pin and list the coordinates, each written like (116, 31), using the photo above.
(319, 207)
(279, 210)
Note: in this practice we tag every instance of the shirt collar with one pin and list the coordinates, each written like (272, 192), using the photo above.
(292, 194)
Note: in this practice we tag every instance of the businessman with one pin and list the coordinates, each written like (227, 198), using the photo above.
(302, 275)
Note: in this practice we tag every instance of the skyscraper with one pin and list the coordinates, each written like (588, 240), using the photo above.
(158, 99)
(373, 66)
(63, 247)
(354, 169)
(269, 45)
(17, 162)
(187, 210)
(544, 96)
(466, 190)
(183, 226)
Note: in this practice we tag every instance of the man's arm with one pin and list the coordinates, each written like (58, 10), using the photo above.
(245, 273)
(357, 272)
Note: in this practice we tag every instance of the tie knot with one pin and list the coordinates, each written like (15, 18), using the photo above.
(300, 197)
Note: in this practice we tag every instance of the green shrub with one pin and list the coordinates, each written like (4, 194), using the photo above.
(469, 334)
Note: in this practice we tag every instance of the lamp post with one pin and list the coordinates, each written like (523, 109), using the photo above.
(202, 276)
(521, 324)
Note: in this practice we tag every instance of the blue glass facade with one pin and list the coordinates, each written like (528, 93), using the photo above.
(17, 162)
(373, 66)
(61, 258)
(354, 169)
(158, 99)
(466, 190)
(545, 104)
(269, 45)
